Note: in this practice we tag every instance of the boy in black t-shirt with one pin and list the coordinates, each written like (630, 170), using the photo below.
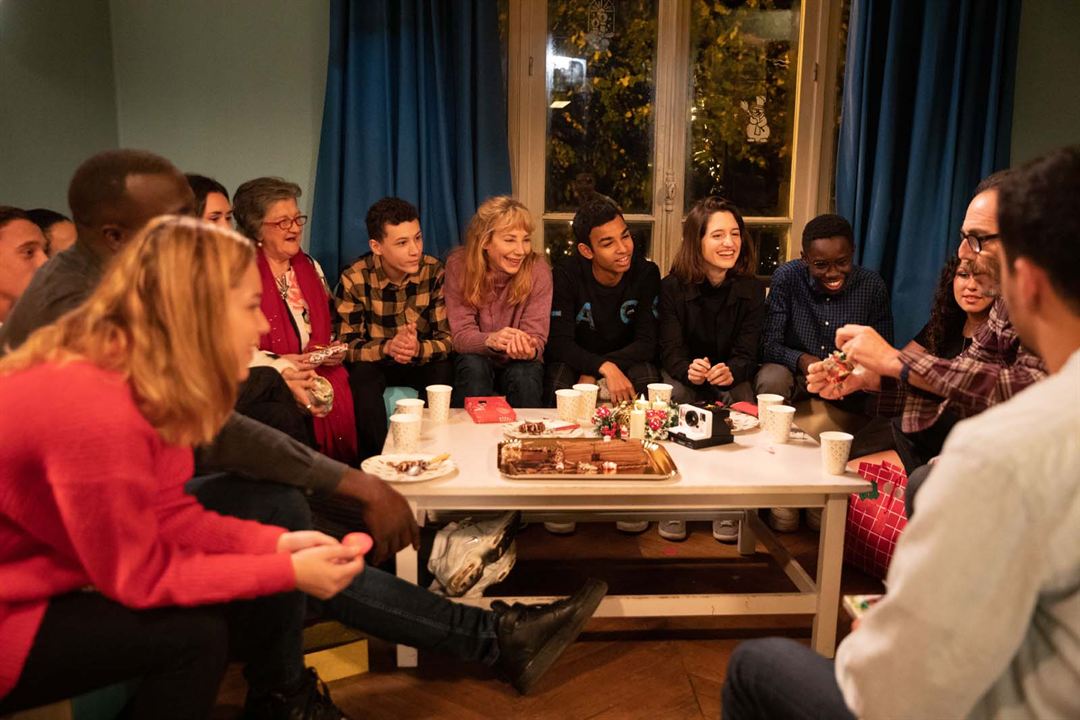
(603, 309)
(603, 318)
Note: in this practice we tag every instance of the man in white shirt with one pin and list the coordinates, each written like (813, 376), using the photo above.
(982, 616)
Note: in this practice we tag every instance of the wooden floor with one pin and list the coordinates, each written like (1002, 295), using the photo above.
(656, 668)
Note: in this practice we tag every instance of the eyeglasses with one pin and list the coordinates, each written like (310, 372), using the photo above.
(825, 265)
(975, 241)
(286, 223)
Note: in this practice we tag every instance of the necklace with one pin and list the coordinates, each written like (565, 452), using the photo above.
(283, 284)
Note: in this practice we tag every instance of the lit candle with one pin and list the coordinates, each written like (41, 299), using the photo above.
(641, 403)
(660, 405)
(637, 424)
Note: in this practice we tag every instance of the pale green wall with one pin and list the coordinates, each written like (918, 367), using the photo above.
(57, 98)
(232, 89)
(1046, 109)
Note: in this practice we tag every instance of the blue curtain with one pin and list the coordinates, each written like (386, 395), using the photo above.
(927, 112)
(415, 107)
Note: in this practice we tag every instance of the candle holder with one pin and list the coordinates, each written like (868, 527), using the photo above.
(614, 422)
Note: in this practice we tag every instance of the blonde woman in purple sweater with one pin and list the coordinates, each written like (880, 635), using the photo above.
(498, 301)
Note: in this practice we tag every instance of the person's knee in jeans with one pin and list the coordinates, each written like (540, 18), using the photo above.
(265, 502)
(474, 376)
(680, 392)
(557, 376)
(522, 382)
(778, 677)
(641, 374)
(775, 379)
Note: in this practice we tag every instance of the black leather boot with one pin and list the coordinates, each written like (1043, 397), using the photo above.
(532, 637)
(309, 701)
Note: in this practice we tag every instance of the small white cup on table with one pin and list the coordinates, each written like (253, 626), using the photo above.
(835, 450)
(659, 392)
(764, 402)
(438, 399)
(781, 418)
(568, 403)
(588, 400)
(405, 432)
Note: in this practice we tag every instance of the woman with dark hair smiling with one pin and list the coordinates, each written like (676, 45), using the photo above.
(712, 308)
(965, 292)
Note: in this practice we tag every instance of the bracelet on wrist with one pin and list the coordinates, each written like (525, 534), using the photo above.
(905, 371)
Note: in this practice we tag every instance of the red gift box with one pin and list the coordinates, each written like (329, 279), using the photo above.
(490, 409)
(876, 518)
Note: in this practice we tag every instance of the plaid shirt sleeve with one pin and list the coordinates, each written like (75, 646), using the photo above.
(352, 300)
(439, 345)
(991, 371)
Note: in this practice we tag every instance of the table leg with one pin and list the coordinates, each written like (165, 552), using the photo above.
(407, 564)
(747, 540)
(830, 558)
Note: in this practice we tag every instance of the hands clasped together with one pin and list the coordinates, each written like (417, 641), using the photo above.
(702, 371)
(517, 344)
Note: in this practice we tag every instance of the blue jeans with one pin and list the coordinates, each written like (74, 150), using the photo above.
(384, 605)
(780, 678)
(521, 381)
(376, 602)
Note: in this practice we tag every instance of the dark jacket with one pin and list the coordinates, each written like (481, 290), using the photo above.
(722, 324)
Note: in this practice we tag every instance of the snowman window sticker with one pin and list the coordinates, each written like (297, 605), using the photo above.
(757, 129)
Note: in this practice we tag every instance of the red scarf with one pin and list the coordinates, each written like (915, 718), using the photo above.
(335, 434)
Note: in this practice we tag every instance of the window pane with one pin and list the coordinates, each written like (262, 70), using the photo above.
(559, 239)
(772, 243)
(744, 59)
(600, 94)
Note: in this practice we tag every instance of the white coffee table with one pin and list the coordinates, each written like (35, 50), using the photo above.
(751, 473)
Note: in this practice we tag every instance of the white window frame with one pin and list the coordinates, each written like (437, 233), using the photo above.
(812, 154)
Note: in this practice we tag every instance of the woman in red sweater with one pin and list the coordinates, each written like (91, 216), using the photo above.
(103, 556)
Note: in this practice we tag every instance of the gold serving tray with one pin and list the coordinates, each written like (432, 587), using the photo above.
(661, 466)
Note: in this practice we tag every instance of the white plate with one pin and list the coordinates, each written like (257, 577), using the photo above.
(741, 422)
(382, 466)
(552, 428)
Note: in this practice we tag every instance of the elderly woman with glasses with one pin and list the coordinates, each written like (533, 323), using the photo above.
(296, 302)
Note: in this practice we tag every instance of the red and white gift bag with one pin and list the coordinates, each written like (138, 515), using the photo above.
(876, 518)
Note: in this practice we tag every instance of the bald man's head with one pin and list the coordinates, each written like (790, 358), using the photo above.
(115, 193)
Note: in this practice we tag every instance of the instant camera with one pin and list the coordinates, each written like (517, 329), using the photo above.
(701, 425)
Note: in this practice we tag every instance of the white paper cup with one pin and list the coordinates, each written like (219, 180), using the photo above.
(781, 418)
(835, 449)
(410, 406)
(588, 400)
(659, 392)
(763, 402)
(405, 432)
(568, 403)
(438, 400)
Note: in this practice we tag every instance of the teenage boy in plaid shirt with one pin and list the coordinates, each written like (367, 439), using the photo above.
(392, 315)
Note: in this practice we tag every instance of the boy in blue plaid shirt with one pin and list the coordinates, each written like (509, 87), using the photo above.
(810, 298)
